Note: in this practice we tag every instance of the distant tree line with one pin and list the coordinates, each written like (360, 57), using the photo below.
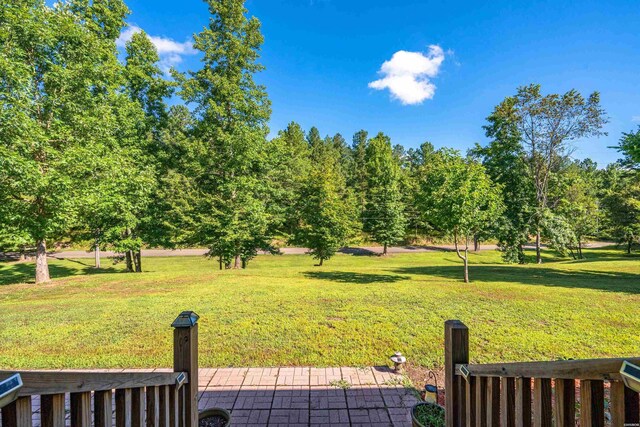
(91, 151)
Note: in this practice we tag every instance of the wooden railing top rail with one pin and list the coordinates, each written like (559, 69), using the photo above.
(585, 369)
(54, 382)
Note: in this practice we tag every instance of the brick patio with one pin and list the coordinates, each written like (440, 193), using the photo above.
(371, 396)
(308, 396)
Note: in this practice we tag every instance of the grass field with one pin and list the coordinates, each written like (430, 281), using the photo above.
(356, 310)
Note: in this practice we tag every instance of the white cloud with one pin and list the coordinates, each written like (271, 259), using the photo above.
(169, 50)
(408, 75)
(635, 119)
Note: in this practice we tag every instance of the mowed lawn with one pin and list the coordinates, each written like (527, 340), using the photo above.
(355, 310)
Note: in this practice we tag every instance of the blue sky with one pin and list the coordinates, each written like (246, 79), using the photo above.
(322, 55)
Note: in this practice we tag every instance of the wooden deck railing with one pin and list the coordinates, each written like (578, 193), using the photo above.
(142, 399)
(537, 394)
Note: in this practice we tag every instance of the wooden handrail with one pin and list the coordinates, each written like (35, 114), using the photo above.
(585, 369)
(55, 382)
(526, 394)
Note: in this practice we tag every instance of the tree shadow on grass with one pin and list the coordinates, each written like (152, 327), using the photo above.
(357, 251)
(540, 276)
(358, 278)
(25, 272)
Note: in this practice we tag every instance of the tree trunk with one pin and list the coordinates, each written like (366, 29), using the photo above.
(97, 255)
(476, 244)
(629, 243)
(138, 261)
(244, 263)
(538, 255)
(384, 251)
(580, 250)
(464, 258)
(466, 268)
(321, 260)
(220, 261)
(42, 266)
(129, 261)
(237, 264)
(521, 258)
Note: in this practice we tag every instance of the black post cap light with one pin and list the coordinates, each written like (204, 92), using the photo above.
(186, 319)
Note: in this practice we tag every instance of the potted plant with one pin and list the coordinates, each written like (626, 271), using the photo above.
(214, 417)
(427, 414)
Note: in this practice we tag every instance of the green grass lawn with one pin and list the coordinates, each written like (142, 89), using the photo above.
(356, 310)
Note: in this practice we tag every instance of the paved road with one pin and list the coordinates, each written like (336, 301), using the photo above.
(290, 251)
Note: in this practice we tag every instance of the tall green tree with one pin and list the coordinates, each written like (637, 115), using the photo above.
(629, 146)
(314, 139)
(547, 125)
(505, 161)
(119, 211)
(289, 165)
(358, 179)
(578, 204)
(345, 155)
(58, 66)
(621, 205)
(327, 206)
(384, 216)
(232, 112)
(458, 198)
(415, 161)
(148, 89)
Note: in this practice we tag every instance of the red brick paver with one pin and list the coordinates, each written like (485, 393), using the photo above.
(301, 396)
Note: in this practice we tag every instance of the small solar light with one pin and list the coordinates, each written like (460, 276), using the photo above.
(180, 380)
(464, 371)
(186, 319)
(431, 390)
(9, 389)
(631, 375)
(398, 361)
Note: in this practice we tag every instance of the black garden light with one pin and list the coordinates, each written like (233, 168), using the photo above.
(186, 319)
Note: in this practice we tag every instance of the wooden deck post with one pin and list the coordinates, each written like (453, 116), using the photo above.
(185, 359)
(456, 350)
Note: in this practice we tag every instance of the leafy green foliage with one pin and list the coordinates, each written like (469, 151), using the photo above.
(59, 80)
(384, 216)
(629, 146)
(545, 126)
(289, 165)
(621, 203)
(578, 204)
(458, 198)
(231, 113)
(506, 164)
(326, 205)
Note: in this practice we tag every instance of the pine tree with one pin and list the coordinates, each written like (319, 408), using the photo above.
(384, 216)
(359, 178)
(289, 165)
(232, 112)
(326, 208)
